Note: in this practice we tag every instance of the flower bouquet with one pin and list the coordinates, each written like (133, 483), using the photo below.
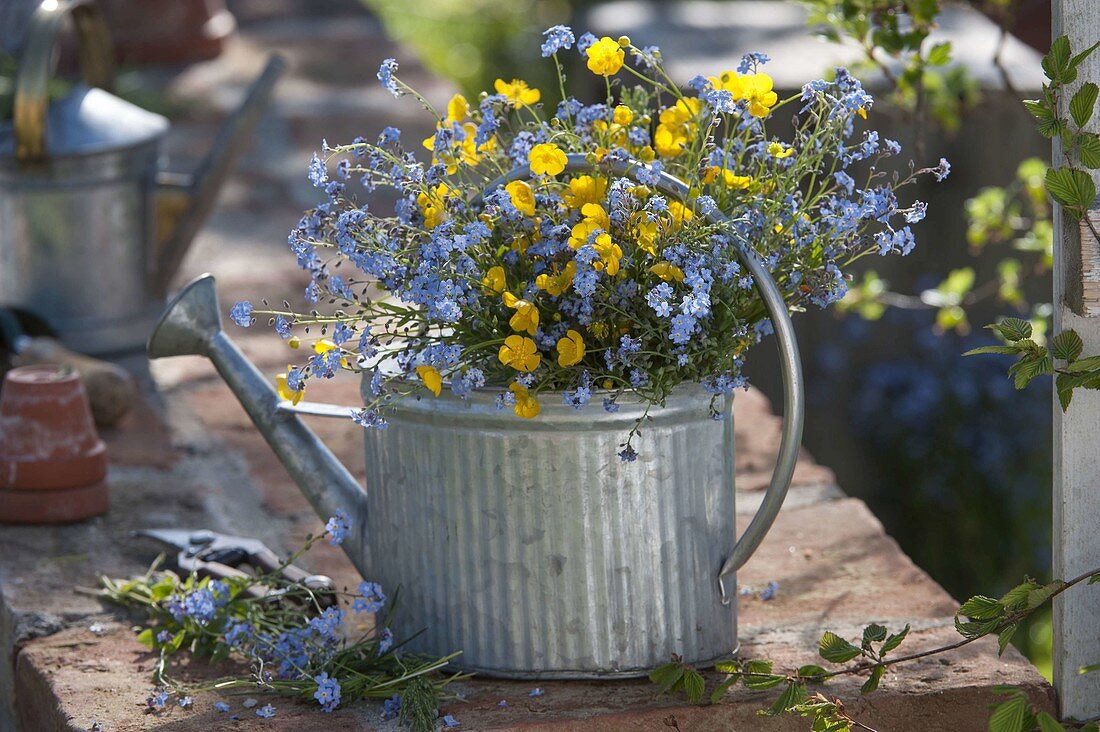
(574, 284)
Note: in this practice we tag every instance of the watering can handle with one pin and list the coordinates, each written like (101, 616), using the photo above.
(793, 396)
(36, 66)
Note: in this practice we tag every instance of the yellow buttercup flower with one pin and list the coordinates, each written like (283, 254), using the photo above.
(432, 205)
(605, 57)
(527, 406)
(623, 116)
(609, 252)
(520, 353)
(559, 282)
(517, 92)
(527, 315)
(680, 214)
(547, 159)
(595, 219)
(570, 349)
(645, 232)
(523, 198)
(667, 271)
(284, 391)
(758, 93)
(494, 280)
(323, 346)
(727, 177)
(729, 81)
(862, 112)
(585, 189)
(431, 377)
(669, 143)
(776, 150)
(458, 108)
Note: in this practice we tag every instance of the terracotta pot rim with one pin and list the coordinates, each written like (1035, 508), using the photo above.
(52, 473)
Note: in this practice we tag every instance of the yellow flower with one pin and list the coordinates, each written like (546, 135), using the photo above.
(862, 112)
(547, 159)
(457, 109)
(431, 377)
(778, 151)
(609, 252)
(494, 280)
(520, 353)
(668, 142)
(680, 214)
(585, 189)
(758, 93)
(729, 179)
(284, 391)
(605, 57)
(729, 81)
(558, 283)
(323, 346)
(527, 315)
(623, 116)
(570, 349)
(527, 406)
(645, 231)
(294, 342)
(517, 92)
(667, 271)
(432, 205)
(523, 198)
(595, 219)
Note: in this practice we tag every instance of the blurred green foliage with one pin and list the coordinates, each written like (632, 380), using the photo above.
(473, 42)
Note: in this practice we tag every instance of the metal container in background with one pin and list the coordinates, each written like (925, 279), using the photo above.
(91, 232)
(531, 547)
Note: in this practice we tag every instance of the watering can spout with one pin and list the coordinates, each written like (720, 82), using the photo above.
(191, 326)
(185, 200)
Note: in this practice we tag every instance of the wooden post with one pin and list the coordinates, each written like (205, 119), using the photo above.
(1077, 432)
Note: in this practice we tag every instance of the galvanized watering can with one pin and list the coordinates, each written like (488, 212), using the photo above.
(527, 544)
(91, 232)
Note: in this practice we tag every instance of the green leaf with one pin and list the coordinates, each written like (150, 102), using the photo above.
(1037, 107)
(1094, 579)
(723, 688)
(1029, 367)
(668, 676)
(873, 681)
(694, 685)
(1005, 350)
(894, 640)
(939, 54)
(728, 667)
(1005, 637)
(1088, 148)
(835, 649)
(1013, 329)
(1089, 363)
(976, 629)
(874, 633)
(1083, 103)
(146, 638)
(1048, 723)
(177, 640)
(1089, 669)
(812, 672)
(1055, 62)
(1071, 187)
(1067, 345)
(758, 675)
(1040, 595)
(1076, 60)
(981, 607)
(792, 696)
(1013, 715)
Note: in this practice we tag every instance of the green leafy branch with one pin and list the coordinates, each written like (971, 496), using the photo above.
(977, 618)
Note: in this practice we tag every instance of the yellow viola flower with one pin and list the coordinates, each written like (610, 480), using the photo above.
(523, 198)
(431, 204)
(667, 271)
(559, 282)
(527, 406)
(610, 254)
(570, 349)
(585, 189)
(680, 214)
(284, 391)
(517, 92)
(494, 280)
(622, 115)
(605, 57)
(527, 315)
(776, 150)
(431, 377)
(758, 93)
(520, 353)
(547, 159)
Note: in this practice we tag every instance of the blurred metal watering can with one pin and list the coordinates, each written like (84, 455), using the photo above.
(91, 232)
(527, 544)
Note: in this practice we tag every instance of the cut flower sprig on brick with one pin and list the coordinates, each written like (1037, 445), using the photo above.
(587, 286)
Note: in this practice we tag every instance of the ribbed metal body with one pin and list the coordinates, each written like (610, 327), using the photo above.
(529, 546)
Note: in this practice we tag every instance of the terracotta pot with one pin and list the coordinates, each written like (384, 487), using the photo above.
(60, 506)
(47, 437)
